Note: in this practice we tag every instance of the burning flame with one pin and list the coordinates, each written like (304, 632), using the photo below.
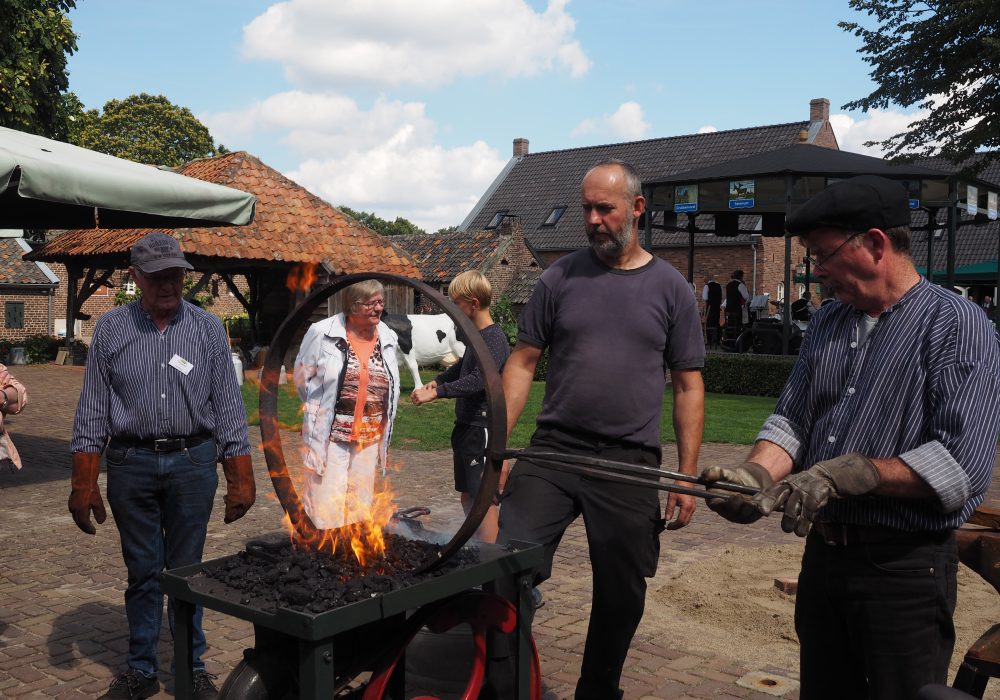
(301, 277)
(364, 538)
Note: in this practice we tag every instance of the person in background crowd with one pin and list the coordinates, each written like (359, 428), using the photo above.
(711, 297)
(737, 297)
(463, 381)
(882, 443)
(348, 379)
(160, 399)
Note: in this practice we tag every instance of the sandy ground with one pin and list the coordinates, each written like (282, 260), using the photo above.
(741, 615)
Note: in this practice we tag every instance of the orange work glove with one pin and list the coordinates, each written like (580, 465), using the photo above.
(240, 488)
(85, 496)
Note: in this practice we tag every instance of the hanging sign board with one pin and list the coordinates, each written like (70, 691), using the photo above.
(991, 205)
(972, 200)
(686, 198)
(741, 194)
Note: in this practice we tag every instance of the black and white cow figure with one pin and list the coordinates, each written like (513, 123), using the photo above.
(424, 339)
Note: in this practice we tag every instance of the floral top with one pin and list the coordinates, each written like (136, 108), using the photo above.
(365, 376)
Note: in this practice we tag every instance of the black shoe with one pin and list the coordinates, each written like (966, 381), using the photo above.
(132, 685)
(204, 687)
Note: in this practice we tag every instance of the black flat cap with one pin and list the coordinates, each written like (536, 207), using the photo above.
(856, 204)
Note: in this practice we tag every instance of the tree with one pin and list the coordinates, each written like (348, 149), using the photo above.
(381, 226)
(36, 36)
(943, 56)
(145, 129)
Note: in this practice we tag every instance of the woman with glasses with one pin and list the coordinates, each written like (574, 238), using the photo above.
(347, 378)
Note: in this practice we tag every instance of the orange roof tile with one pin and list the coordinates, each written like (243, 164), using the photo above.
(291, 225)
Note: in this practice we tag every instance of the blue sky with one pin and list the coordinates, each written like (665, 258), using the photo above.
(409, 108)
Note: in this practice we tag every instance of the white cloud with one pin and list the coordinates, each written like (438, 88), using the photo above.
(876, 125)
(627, 123)
(707, 129)
(382, 159)
(401, 42)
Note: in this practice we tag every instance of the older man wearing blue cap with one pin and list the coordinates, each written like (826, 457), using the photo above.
(160, 399)
(882, 442)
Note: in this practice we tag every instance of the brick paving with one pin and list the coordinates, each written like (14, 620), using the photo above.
(62, 626)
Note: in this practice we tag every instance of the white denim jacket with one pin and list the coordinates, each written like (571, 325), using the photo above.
(318, 369)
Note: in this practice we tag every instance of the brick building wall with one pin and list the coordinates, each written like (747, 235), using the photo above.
(31, 309)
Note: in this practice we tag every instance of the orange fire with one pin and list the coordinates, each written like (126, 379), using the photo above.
(301, 277)
(363, 538)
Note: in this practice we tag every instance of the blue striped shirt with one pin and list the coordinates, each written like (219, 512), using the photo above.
(130, 390)
(924, 387)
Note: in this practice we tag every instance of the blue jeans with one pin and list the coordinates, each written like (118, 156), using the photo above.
(161, 502)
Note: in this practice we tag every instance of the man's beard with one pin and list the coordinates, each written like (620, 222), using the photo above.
(616, 242)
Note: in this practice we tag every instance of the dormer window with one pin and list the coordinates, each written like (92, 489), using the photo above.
(497, 219)
(554, 216)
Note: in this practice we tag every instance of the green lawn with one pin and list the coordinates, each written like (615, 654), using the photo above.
(734, 419)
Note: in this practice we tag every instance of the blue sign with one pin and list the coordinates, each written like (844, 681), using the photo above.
(689, 206)
(741, 194)
(914, 204)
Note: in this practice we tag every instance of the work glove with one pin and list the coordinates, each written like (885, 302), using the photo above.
(738, 507)
(803, 494)
(85, 495)
(241, 491)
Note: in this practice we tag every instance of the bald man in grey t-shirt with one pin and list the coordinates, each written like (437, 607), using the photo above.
(614, 319)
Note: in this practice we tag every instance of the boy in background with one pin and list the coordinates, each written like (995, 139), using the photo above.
(472, 294)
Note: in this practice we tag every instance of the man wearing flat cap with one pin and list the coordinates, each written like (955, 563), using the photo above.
(882, 442)
(161, 400)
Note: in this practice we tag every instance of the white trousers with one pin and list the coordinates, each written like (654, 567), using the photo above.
(344, 493)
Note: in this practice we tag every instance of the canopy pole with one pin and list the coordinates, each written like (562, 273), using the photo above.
(691, 229)
(72, 274)
(786, 304)
(647, 228)
(949, 278)
(931, 229)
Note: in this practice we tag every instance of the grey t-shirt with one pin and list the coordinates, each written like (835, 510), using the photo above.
(612, 335)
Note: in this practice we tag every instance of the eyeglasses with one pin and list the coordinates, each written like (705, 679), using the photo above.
(817, 262)
(169, 277)
(369, 305)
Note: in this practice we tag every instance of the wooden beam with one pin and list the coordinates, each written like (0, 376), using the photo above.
(200, 285)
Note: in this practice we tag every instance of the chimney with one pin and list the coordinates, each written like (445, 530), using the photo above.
(819, 110)
(521, 147)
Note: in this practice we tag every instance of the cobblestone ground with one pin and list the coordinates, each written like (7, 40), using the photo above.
(62, 626)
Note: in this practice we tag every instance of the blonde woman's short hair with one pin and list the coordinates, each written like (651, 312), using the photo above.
(361, 292)
(470, 285)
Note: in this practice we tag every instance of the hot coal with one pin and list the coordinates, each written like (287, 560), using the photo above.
(282, 575)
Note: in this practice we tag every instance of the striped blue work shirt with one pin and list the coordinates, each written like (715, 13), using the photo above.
(130, 390)
(924, 387)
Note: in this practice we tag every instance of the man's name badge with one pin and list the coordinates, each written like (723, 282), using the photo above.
(180, 364)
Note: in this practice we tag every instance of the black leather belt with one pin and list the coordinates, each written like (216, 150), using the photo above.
(840, 534)
(172, 444)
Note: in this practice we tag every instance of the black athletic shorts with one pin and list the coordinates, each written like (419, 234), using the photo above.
(468, 445)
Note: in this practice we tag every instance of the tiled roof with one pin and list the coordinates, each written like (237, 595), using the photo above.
(442, 256)
(990, 173)
(291, 225)
(538, 182)
(523, 284)
(15, 270)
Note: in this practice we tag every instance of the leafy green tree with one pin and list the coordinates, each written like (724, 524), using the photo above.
(381, 226)
(943, 56)
(36, 36)
(145, 129)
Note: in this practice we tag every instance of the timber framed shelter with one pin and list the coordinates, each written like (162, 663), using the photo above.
(759, 191)
(295, 237)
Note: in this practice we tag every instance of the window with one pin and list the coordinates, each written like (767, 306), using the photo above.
(129, 288)
(13, 313)
(497, 219)
(554, 216)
